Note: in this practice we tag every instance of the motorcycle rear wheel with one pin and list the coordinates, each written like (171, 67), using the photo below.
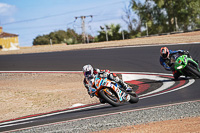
(133, 97)
(193, 71)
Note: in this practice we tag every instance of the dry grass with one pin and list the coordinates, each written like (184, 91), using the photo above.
(165, 39)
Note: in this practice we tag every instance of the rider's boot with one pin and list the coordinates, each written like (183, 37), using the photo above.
(129, 89)
(197, 61)
(102, 101)
(125, 86)
(176, 75)
(91, 92)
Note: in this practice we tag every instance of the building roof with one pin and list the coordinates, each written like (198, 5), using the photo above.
(5, 34)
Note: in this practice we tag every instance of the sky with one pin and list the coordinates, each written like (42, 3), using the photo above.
(30, 18)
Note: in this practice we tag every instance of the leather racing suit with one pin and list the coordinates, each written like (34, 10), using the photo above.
(90, 85)
(166, 63)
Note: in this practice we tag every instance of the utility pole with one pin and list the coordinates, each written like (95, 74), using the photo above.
(83, 26)
(177, 28)
(106, 35)
(50, 41)
(147, 29)
(107, 28)
(123, 34)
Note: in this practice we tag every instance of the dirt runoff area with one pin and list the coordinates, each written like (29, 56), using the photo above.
(23, 94)
(189, 37)
(188, 125)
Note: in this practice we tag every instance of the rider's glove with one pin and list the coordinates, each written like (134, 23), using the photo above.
(105, 74)
(117, 79)
(96, 70)
(186, 52)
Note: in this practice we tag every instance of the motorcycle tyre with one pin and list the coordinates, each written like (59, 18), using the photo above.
(193, 71)
(133, 97)
(108, 100)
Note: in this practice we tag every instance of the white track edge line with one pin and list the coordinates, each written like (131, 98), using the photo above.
(107, 115)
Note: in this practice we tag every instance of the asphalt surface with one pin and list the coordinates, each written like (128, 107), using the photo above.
(135, 59)
(127, 59)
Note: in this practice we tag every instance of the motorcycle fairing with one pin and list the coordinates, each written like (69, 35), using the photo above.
(104, 83)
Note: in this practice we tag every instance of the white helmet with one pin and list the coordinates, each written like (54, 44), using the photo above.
(88, 70)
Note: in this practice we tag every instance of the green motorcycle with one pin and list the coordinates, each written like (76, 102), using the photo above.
(185, 65)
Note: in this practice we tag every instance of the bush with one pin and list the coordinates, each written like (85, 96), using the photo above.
(60, 36)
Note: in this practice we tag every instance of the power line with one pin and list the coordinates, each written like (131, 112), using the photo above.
(107, 19)
(35, 27)
(55, 15)
(73, 22)
(44, 26)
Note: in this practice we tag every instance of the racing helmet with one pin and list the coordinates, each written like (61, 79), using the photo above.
(164, 52)
(88, 70)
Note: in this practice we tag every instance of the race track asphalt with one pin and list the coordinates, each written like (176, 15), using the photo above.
(126, 59)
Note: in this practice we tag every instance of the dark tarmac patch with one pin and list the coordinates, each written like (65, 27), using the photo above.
(153, 85)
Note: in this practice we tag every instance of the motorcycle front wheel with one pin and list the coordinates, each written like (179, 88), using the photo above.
(110, 97)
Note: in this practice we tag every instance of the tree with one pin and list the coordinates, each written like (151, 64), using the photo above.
(184, 13)
(113, 32)
(74, 36)
(60, 35)
(134, 24)
(41, 40)
(151, 16)
(168, 15)
(57, 37)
